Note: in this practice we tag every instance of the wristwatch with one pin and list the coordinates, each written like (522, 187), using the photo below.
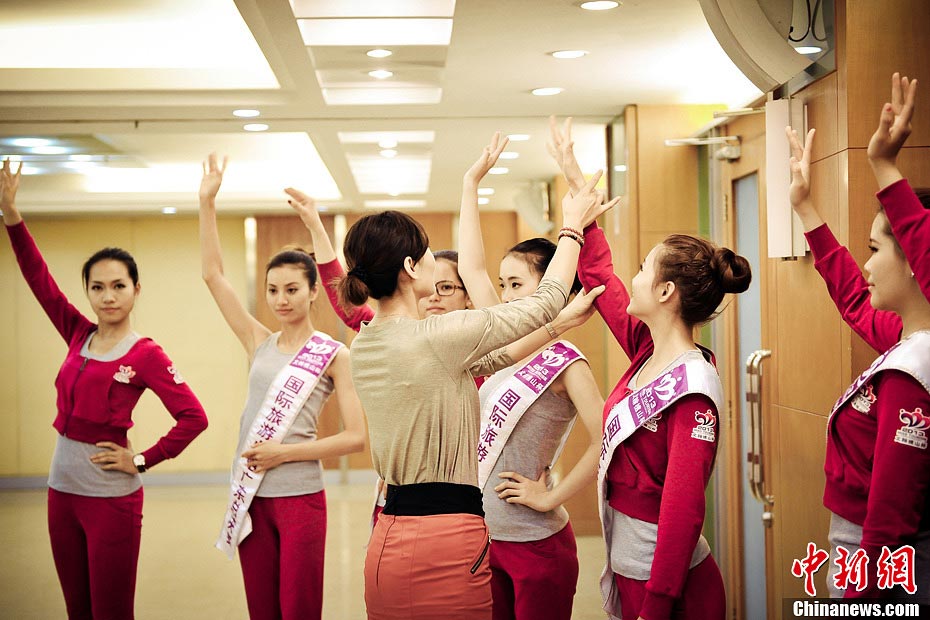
(139, 461)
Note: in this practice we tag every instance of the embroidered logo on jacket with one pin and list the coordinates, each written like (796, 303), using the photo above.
(862, 401)
(652, 424)
(176, 375)
(706, 421)
(914, 431)
(124, 374)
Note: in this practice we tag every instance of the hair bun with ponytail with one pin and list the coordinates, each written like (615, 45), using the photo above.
(732, 269)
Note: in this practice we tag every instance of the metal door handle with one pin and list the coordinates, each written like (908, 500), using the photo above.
(754, 457)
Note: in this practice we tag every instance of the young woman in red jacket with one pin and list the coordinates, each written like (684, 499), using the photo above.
(660, 428)
(878, 460)
(95, 491)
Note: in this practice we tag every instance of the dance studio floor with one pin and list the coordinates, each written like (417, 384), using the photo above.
(181, 575)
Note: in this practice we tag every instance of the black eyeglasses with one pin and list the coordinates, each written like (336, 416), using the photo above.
(444, 288)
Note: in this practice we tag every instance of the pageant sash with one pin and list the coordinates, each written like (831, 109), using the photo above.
(911, 355)
(283, 401)
(693, 376)
(513, 397)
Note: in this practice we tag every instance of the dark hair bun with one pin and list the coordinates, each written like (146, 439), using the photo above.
(352, 290)
(733, 270)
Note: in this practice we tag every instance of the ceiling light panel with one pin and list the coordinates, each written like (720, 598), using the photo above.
(375, 32)
(402, 174)
(372, 8)
(394, 204)
(375, 137)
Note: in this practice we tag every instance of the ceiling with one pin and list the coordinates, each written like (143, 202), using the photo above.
(130, 96)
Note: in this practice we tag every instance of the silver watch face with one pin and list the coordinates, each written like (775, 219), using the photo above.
(138, 460)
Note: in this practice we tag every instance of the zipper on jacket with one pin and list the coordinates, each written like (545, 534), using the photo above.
(73, 385)
(484, 552)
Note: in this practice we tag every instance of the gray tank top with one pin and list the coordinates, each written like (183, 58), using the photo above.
(288, 479)
(529, 450)
(71, 470)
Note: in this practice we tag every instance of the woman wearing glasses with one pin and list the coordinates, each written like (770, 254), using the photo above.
(534, 561)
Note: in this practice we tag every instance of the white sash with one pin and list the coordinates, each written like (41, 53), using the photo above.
(283, 401)
(693, 376)
(511, 399)
(911, 355)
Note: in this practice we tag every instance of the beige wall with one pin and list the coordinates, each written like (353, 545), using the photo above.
(174, 308)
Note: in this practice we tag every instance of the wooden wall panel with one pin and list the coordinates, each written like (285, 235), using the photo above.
(820, 98)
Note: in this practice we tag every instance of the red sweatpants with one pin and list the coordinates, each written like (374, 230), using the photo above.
(428, 568)
(282, 559)
(95, 543)
(537, 579)
(703, 597)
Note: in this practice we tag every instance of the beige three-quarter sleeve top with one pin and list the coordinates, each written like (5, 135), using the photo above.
(413, 378)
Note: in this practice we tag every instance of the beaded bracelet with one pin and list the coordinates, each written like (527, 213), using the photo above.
(576, 238)
(572, 230)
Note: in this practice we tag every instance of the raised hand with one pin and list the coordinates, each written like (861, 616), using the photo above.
(799, 193)
(305, 206)
(894, 124)
(212, 177)
(486, 160)
(580, 208)
(561, 148)
(9, 184)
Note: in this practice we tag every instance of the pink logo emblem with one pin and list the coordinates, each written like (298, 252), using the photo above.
(914, 431)
(175, 375)
(124, 374)
(706, 421)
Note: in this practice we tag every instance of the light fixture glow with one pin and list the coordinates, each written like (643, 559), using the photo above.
(29, 170)
(30, 142)
(620, 168)
(394, 204)
(509, 155)
(393, 194)
(169, 210)
(246, 113)
(389, 153)
(255, 127)
(599, 5)
(379, 53)
(485, 191)
(518, 137)
(81, 157)
(483, 201)
(498, 170)
(568, 54)
(13, 158)
(808, 49)
(547, 91)
(381, 74)
(49, 150)
(387, 143)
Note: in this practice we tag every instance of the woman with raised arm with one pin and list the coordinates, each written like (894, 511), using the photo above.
(277, 509)
(660, 421)
(95, 491)
(907, 210)
(533, 557)
(427, 554)
(877, 462)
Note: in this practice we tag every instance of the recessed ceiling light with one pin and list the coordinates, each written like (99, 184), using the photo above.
(389, 153)
(30, 142)
(567, 54)
(600, 5)
(245, 113)
(379, 53)
(381, 74)
(387, 143)
(169, 210)
(49, 150)
(620, 168)
(498, 170)
(485, 191)
(509, 155)
(80, 157)
(483, 201)
(808, 49)
(547, 91)
(255, 127)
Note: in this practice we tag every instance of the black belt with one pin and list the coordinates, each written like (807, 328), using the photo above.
(433, 498)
